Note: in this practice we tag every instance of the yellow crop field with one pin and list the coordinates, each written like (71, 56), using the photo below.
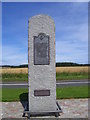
(81, 69)
(15, 70)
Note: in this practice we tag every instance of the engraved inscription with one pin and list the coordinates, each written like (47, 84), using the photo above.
(41, 92)
(41, 49)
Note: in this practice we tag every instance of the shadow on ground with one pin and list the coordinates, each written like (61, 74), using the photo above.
(24, 100)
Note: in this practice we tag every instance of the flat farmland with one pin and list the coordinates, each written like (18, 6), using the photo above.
(72, 69)
(62, 73)
(15, 70)
(58, 70)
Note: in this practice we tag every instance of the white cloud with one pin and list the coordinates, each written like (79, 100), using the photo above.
(14, 56)
(77, 32)
(65, 51)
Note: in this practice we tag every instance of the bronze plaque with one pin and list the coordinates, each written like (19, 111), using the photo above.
(41, 92)
(41, 49)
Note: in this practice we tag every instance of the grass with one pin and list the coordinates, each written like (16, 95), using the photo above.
(72, 92)
(14, 77)
(71, 76)
(13, 94)
(59, 76)
(18, 94)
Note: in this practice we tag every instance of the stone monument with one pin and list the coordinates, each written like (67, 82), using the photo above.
(41, 65)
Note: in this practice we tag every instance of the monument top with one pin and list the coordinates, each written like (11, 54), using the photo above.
(43, 16)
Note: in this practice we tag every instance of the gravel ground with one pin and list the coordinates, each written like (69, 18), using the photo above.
(72, 108)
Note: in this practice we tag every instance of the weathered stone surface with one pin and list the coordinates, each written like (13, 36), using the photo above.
(72, 108)
(42, 76)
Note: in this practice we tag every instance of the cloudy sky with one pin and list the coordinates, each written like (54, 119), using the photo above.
(71, 25)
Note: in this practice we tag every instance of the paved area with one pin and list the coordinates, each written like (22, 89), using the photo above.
(72, 108)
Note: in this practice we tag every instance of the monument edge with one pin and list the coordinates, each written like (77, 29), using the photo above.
(42, 15)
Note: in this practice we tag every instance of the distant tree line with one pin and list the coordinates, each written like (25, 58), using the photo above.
(18, 66)
(58, 64)
(66, 64)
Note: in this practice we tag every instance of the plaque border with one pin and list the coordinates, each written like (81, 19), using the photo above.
(41, 93)
(48, 48)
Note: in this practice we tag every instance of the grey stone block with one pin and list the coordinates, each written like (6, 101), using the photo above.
(42, 76)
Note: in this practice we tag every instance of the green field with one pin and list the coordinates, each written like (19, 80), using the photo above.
(71, 76)
(14, 77)
(59, 76)
(18, 94)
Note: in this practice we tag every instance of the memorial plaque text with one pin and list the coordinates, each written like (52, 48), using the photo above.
(41, 49)
(41, 92)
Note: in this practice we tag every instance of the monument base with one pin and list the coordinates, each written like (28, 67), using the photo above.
(44, 113)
